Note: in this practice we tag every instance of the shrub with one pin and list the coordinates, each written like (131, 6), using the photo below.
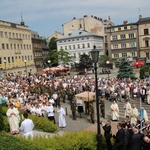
(1, 119)
(39, 122)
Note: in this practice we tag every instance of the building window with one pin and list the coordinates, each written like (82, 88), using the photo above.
(119, 29)
(146, 32)
(114, 37)
(13, 35)
(124, 54)
(115, 46)
(7, 46)
(14, 46)
(123, 45)
(17, 35)
(61, 47)
(147, 55)
(116, 55)
(9, 34)
(1, 33)
(132, 54)
(131, 35)
(112, 30)
(11, 47)
(83, 46)
(12, 59)
(65, 47)
(125, 28)
(3, 46)
(73, 46)
(69, 46)
(123, 36)
(78, 46)
(88, 45)
(6, 36)
(132, 44)
(146, 43)
(8, 59)
(18, 46)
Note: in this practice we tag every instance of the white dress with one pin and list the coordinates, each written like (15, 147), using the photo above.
(61, 117)
(115, 111)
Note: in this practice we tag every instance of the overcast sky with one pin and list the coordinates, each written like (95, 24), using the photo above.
(47, 16)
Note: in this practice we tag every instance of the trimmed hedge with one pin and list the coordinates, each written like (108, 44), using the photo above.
(40, 123)
(69, 141)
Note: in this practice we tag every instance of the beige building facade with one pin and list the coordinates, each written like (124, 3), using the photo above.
(16, 54)
(144, 37)
(92, 24)
(122, 41)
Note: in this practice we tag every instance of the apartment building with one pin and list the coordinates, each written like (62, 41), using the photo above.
(144, 37)
(16, 53)
(37, 50)
(122, 41)
(92, 24)
(78, 42)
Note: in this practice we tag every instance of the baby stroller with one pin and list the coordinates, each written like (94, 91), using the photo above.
(113, 97)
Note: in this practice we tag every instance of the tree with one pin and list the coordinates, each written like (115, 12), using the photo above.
(125, 70)
(143, 71)
(52, 44)
(85, 62)
(64, 57)
(103, 59)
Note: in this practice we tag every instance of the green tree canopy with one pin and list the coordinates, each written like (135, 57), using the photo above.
(125, 70)
(85, 62)
(52, 44)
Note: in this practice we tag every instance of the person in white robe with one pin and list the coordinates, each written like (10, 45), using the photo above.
(13, 119)
(127, 107)
(145, 116)
(43, 110)
(50, 112)
(38, 111)
(134, 115)
(115, 111)
(148, 96)
(61, 117)
(32, 110)
(27, 126)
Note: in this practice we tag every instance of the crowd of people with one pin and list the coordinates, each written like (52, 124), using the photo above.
(40, 95)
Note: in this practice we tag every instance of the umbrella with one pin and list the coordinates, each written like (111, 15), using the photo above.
(138, 63)
(85, 96)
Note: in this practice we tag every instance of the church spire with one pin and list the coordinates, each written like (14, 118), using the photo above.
(22, 22)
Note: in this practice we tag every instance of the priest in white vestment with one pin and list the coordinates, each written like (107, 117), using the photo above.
(127, 107)
(61, 117)
(115, 111)
(13, 119)
(134, 115)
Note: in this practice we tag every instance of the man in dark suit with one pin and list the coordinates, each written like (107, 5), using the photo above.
(107, 133)
(119, 137)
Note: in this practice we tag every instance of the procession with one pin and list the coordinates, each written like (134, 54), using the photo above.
(43, 96)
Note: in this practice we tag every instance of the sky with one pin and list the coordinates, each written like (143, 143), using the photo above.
(48, 16)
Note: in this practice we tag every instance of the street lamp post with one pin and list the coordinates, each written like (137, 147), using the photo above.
(107, 62)
(25, 62)
(95, 57)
